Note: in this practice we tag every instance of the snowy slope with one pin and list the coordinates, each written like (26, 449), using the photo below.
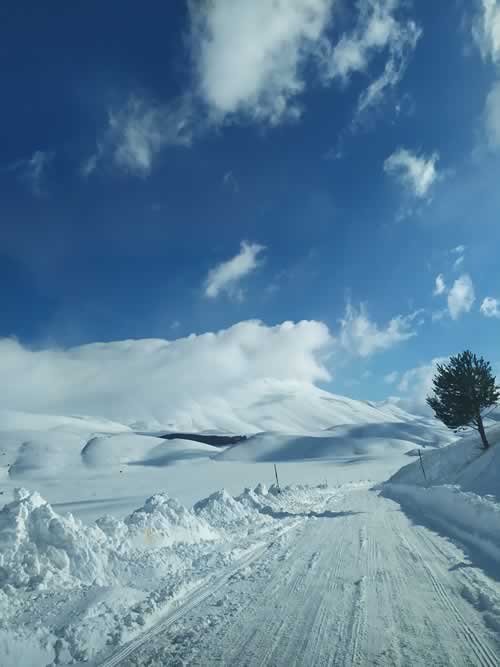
(134, 449)
(463, 463)
(267, 405)
(323, 446)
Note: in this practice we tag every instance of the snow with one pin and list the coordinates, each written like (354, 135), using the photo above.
(119, 574)
(134, 449)
(471, 518)
(459, 494)
(464, 463)
(341, 442)
(107, 533)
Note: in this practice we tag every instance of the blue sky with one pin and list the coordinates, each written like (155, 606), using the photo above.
(352, 150)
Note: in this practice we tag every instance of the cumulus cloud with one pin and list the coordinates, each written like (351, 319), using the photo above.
(137, 131)
(440, 286)
(226, 276)
(252, 61)
(417, 173)
(32, 170)
(490, 307)
(362, 337)
(250, 56)
(461, 296)
(158, 379)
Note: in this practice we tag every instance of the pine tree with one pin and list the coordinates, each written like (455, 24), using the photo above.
(463, 389)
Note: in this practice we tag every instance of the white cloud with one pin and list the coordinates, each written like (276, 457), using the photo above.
(226, 276)
(490, 307)
(394, 69)
(492, 117)
(137, 132)
(461, 296)
(416, 385)
(486, 30)
(391, 378)
(253, 61)
(161, 380)
(417, 173)
(458, 250)
(362, 337)
(376, 30)
(250, 56)
(458, 262)
(438, 315)
(440, 287)
(32, 170)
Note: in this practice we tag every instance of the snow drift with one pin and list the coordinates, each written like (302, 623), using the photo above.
(134, 449)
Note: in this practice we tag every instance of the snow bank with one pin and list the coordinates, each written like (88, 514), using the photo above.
(464, 463)
(69, 590)
(40, 549)
(223, 511)
(472, 519)
(168, 522)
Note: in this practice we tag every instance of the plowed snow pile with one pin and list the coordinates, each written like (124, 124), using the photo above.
(40, 549)
(74, 587)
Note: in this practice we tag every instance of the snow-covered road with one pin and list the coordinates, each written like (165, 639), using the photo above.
(355, 584)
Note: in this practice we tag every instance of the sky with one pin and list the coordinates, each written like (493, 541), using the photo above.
(195, 167)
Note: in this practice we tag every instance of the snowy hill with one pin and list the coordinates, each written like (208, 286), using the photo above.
(269, 405)
(322, 425)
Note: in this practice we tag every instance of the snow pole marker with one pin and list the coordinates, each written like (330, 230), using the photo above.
(277, 481)
(422, 464)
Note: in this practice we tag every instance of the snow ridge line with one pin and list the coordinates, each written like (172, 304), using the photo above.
(192, 600)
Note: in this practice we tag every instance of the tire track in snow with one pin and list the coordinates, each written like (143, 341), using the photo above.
(192, 600)
(481, 650)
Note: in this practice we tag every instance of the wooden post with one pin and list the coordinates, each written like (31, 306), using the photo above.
(277, 481)
(422, 464)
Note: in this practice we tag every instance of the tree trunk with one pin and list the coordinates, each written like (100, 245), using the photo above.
(480, 427)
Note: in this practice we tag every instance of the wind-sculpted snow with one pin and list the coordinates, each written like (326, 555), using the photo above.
(135, 449)
(320, 445)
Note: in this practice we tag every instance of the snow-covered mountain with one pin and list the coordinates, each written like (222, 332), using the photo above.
(283, 421)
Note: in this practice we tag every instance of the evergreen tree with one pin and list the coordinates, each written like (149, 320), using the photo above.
(463, 389)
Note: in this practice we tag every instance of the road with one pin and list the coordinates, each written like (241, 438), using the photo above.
(356, 583)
